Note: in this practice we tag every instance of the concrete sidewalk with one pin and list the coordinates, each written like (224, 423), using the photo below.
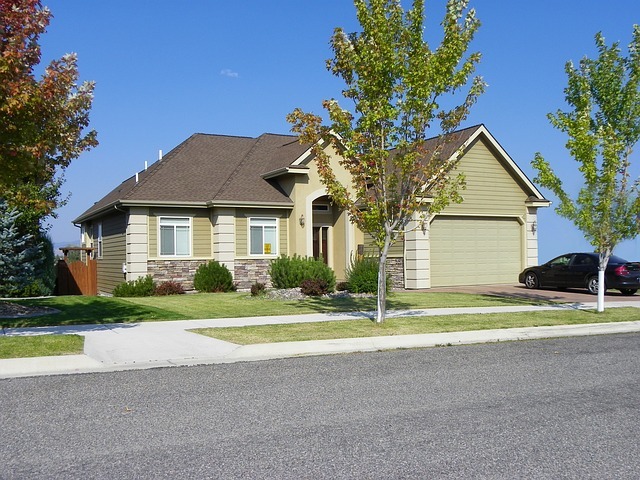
(118, 347)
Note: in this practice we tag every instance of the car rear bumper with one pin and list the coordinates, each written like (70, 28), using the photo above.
(618, 282)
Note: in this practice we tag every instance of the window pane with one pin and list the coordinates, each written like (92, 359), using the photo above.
(167, 246)
(182, 240)
(270, 245)
(256, 240)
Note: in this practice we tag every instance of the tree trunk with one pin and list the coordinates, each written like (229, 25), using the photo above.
(600, 290)
(604, 260)
(381, 305)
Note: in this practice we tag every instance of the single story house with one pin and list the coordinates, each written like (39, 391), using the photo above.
(245, 201)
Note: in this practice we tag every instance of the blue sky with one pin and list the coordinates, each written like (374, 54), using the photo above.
(165, 70)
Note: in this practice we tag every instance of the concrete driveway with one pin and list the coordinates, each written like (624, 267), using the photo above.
(570, 295)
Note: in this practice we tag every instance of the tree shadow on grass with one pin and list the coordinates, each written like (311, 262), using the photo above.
(347, 304)
(88, 310)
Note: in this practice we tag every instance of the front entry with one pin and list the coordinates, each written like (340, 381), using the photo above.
(320, 243)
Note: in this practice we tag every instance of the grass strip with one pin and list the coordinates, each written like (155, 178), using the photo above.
(40, 345)
(414, 325)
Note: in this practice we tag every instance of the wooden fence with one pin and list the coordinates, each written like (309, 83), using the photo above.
(77, 278)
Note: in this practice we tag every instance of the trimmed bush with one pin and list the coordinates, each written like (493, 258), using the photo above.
(314, 287)
(290, 272)
(362, 276)
(342, 286)
(169, 288)
(258, 289)
(142, 287)
(213, 277)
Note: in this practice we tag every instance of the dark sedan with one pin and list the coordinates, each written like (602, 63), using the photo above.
(580, 270)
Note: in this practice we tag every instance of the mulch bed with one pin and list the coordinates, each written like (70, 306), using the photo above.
(13, 310)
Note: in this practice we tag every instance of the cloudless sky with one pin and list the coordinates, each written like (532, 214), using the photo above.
(166, 69)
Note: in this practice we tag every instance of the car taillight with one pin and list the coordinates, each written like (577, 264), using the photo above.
(621, 271)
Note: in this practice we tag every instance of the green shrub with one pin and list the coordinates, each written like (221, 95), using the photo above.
(213, 277)
(290, 272)
(258, 289)
(169, 288)
(142, 287)
(314, 287)
(362, 276)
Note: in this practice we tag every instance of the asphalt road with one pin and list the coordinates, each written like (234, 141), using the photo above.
(565, 408)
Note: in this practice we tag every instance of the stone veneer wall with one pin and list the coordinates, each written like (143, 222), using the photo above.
(248, 272)
(181, 271)
(395, 269)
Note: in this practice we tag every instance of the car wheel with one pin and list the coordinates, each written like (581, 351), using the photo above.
(531, 280)
(628, 291)
(592, 285)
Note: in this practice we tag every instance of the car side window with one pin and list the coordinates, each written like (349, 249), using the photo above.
(560, 261)
(583, 260)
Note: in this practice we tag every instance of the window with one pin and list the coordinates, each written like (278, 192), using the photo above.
(99, 246)
(175, 236)
(321, 208)
(263, 233)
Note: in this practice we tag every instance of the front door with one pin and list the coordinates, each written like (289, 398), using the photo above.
(320, 244)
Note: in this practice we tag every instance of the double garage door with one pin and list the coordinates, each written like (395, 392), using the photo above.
(475, 250)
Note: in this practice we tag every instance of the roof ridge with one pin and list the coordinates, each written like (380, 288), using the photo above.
(235, 171)
(221, 135)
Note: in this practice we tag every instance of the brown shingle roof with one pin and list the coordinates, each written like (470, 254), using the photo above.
(209, 168)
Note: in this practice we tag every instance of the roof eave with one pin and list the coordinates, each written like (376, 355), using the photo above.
(136, 203)
(244, 204)
(295, 170)
(538, 203)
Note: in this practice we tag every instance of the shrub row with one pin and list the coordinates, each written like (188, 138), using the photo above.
(210, 277)
(313, 277)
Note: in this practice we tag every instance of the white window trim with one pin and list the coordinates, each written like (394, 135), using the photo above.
(275, 248)
(190, 241)
(99, 252)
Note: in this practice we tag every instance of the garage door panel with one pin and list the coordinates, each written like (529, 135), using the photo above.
(475, 250)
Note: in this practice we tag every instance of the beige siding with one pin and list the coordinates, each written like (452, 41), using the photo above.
(370, 248)
(491, 190)
(153, 236)
(113, 252)
(202, 235)
(242, 249)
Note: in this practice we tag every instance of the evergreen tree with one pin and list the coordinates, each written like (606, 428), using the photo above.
(18, 256)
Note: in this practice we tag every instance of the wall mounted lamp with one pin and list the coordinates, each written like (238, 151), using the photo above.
(301, 220)
(534, 227)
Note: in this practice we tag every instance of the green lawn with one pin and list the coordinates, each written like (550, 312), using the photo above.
(76, 310)
(414, 325)
(40, 345)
